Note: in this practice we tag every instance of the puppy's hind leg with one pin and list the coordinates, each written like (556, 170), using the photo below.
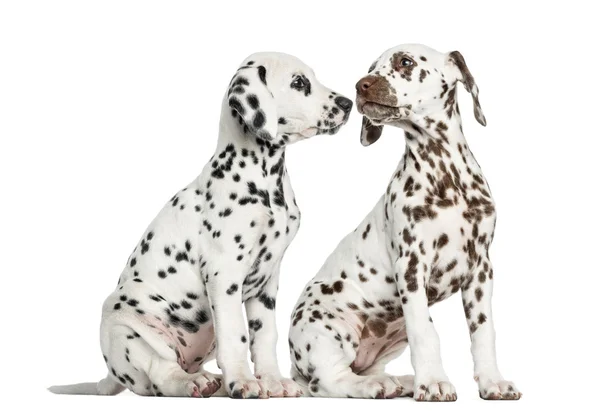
(326, 366)
(407, 382)
(135, 361)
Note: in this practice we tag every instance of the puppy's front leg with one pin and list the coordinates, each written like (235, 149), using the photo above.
(262, 324)
(431, 382)
(477, 302)
(225, 295)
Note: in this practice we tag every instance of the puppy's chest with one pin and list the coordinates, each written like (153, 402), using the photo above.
(273, 237)
(444, 193)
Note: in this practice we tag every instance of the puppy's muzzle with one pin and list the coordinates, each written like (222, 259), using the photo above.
(375, 97)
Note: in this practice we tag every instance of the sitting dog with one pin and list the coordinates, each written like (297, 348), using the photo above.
(216, 244)
(427, 238)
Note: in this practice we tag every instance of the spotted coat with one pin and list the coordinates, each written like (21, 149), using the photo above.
(427, 238)
(217, 244)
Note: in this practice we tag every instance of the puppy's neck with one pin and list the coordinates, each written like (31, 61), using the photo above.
(434, 126)
(436, 143)
(232, 133)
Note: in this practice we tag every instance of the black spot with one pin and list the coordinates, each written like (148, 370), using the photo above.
(181, 256)
(267, 301)
(282, 120)
(235, 104)
(232, 289)
(262, 74)
(253, 101)
(201, 316)
(255, 325)
(259, 120)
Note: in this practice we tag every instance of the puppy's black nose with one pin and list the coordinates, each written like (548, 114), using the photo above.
(344, 103)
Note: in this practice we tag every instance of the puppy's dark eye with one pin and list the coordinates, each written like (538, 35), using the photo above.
(406, 62)
(298, 83)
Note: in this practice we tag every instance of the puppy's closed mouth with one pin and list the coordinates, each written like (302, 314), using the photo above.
(376, 111)
(313, 131)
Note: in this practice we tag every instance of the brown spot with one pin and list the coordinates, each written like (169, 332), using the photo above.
(338, 286)
(411, 273)
(362, 278)
(478, 294)
(377, 327)
(442, 241)
(365, 333)
(405, 71)
(352, 306)
(468, 307)
(482, 318)
(422, 75)
(451, 265)
(422, 250)
(432, 293)
(408, 239)
(444, 203)
(482, 277)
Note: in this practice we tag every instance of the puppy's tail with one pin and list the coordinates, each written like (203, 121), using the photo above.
(107, 386)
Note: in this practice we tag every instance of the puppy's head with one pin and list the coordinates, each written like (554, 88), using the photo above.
(413, 77)
(277, 97)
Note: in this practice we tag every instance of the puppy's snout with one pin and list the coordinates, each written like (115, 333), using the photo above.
(344, 103)
(365, 83)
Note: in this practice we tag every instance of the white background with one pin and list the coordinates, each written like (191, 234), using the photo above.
(107, 108)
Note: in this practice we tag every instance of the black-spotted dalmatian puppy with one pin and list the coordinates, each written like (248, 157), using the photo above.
(216, 244)
(426, 239)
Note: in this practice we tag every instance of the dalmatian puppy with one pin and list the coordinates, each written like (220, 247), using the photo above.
(427, 238)
(216, 244)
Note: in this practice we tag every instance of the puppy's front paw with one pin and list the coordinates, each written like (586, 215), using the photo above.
(246, 388)
(497, 390)
(434, 391)
(278, 386)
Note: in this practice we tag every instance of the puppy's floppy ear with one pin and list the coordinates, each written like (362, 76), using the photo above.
(252, 103)
(457, 61)
(369, 132)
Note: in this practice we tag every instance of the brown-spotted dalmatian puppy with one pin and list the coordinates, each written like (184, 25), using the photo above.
(427, 238)
(216, 244)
